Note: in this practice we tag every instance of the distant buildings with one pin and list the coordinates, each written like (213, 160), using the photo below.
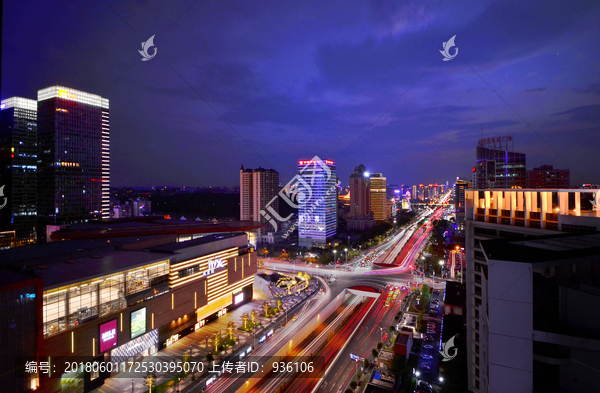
(548, 177)
(258, 187)
(317, 211)
(498, 165)
(134, 207)
(378, 199)
(18, 169)
(528, 326)
(73, 157)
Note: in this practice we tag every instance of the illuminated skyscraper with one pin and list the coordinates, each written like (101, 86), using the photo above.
(18, 167)
(73, 157)
(378, 198)
(317, 209)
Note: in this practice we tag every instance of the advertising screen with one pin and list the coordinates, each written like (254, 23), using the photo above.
(108, 335)
(138, 322)
(238, 298)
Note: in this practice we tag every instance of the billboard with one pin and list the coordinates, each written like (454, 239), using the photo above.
(108, 335)
(138, 322)
(238, 298)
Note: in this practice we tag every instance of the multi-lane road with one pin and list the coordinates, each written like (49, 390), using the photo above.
(366, 324)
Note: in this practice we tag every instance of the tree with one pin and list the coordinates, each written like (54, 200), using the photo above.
(358, 374)
(398, 364)
(245, 318)
(348, 391)
(210, 357)
(230, 327)
(365, 363)
(253, 317)
(392, 329)
(353, 384)
(279, 304)
(266, 308)
(374, 352)
(379, 345)
(216, 341)
(397, 317)
(150, 381)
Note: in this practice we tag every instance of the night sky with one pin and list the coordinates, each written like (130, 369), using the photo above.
(266, 83)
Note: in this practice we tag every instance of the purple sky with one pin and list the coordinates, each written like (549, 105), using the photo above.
(268, 83)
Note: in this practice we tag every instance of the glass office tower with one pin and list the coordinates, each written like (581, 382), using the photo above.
(18, 167)
(74, 157)
(317, 197)
(498, 165)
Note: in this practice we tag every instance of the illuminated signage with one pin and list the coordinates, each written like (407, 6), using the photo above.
(67, 95)
(250, 348)
(308, 162)
(236, 291)
(222, 312)
(198, 325)
(212, 265)
(210, 380)
(173, 339)
(238, 298)
(263, 338)
(138, 322)
(270, 333)
(108, 335)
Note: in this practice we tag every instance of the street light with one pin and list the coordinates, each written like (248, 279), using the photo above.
(346, 255)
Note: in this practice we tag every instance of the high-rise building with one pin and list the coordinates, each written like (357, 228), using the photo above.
(317, 211)
(378, 198)
(526, 325)
(73, 157)
(18, 169)
(413, 194)
(359, 193)
(548, 177)
(498, 165)
(258, 187)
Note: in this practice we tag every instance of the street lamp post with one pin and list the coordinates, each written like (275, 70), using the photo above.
(346, 255)
(334, 261)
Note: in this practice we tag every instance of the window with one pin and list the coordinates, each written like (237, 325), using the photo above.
(189, 271)
(70, 306)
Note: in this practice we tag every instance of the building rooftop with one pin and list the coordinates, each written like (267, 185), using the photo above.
(9, 278)
(145, 226)
(455, 294)
(543, 248)
(66, 262)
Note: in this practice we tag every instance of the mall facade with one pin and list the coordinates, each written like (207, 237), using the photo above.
(122, 302)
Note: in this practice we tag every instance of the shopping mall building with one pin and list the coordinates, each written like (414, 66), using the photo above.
(114, 300)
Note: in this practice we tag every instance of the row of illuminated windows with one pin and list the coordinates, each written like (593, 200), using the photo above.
(67, 307)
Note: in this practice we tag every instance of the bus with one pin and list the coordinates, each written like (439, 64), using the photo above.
(388, 300)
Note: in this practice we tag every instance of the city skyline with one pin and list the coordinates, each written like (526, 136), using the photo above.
(278, 85)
